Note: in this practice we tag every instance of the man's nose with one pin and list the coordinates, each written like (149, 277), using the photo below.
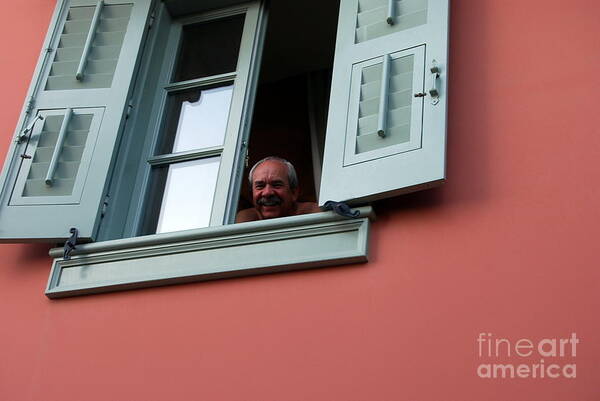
(268, 190)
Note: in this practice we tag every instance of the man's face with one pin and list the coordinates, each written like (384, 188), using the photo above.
(271, 193)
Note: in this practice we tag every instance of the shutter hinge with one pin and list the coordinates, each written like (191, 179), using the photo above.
(129, 109)
(70, 243)
(27, 131)
(30, 104)
(245, 151)
(151, 21)
(104, 206)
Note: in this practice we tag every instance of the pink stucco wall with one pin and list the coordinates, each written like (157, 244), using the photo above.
(507, 246)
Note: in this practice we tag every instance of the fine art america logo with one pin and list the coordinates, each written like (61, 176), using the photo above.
(537, 359)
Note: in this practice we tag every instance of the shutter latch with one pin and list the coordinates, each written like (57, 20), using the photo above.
(27, 131)
(70, 243)
(435, 75)
(341, 208)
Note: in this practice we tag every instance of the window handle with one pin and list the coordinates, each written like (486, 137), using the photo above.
(435, 75)
(383, 97)
(57, 148)
(391, 12)
(88, 41)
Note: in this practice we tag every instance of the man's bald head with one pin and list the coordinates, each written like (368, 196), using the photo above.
(274, 186)
(291, 171)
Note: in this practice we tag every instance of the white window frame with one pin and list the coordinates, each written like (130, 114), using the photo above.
(223, 210)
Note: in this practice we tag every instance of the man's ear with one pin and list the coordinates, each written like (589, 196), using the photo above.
(295, 193)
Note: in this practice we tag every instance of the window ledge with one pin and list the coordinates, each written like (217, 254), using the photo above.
(291, 243)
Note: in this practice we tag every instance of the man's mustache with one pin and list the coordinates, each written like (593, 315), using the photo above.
(271, 200)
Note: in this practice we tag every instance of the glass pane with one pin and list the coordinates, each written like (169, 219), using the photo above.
(188, 195)
(209, 48)
(196, 119)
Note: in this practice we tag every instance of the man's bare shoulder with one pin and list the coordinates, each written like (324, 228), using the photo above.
(307, 207)
(251, 214)
(247, 215)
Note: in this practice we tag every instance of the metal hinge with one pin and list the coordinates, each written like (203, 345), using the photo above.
(104, 206)
(129, 109)
(245, 150)
(30, 104)
(151, 21)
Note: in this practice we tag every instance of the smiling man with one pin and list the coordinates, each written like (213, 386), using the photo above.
(274, 186)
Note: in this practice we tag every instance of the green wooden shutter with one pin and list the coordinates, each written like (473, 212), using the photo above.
(386, 131)
(55, 174)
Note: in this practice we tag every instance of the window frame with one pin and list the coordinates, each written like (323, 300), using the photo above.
(239, 78)
(125, 205)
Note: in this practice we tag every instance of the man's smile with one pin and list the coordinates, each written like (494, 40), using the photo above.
(272, 200)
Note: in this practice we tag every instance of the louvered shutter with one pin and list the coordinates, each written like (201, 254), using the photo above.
(55, 174)
(386, 131)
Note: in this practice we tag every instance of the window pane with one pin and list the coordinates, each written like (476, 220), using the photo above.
(188, 195)
(209, 48)
(196, 119)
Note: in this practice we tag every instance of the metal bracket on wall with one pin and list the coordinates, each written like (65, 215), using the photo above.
(341, 209)
(70, 243)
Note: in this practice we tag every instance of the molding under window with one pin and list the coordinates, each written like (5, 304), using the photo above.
(268, 246)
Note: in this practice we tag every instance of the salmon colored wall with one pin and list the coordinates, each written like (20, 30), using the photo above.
(507, 246)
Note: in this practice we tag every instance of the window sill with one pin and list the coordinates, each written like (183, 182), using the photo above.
(268, 246)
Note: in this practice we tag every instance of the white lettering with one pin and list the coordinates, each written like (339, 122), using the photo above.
(488, 371)
(518, 346)
(574, 341)
(572, 371)
(545, 341)
(563, 342)
(500, 341)
(550, 374)
(480, 340)
(504, 369)
(523, 371)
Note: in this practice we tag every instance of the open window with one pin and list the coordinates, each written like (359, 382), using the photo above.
(143, 113)
(292, 97)
(189, 127)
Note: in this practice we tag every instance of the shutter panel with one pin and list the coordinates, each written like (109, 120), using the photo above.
(55, 175)
(382, 140)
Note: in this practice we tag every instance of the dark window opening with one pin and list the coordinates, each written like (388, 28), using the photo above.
(290, 110)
